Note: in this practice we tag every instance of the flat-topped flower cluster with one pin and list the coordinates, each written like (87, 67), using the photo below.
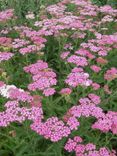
(83, 46)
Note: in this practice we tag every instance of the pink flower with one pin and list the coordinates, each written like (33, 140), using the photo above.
(49, 91)
(4, 56)
(2, 84)
(90, 147)
(114, 128)
(36, 102)
(95, 86)
(73, 123)
(101, 60)
(110, 74)
(106, 89)
(78, 60)
(94, 98)
(36, 67)
(80, 149)
(95, 68)
(78, 139)
(70, 145)
(64, 54)
(5, 41)
(53, 129)
(65, 91)
(78, 77)
(6, 15)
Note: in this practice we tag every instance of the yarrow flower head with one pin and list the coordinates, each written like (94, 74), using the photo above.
(5, 41)
(15, 113)
(95, 68)
(6, 15)
(65, 91)
(14, 93)
(4, 56)
(78, 77)
(111, 74)
(78, 60)
(44, 78)
(64, 54)
(80, 149)
(53, 129)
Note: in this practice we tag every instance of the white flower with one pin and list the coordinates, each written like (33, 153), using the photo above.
(4, 90)
(30, 15)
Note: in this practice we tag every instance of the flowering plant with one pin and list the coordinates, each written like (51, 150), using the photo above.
(58, 80)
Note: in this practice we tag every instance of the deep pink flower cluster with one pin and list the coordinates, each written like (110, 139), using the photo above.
(66, 20)
(44, 78)
(38, 40)
(20, 95)
(107, 9)
(74, 26)
(5, 56)
(107, 123)
(95, 68)
(33, 43)
(102, 45)
(84, 52)
(29, 49)
(111, 74)
(87, 108)
(78, 78)
(6, 15)
(53, 129)
(76, 145)
(15, 113)
(78, 60)
(94, 98)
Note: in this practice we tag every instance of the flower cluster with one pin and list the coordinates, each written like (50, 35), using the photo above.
(29, 49)
(106, 123)
(13, 93)
(6, 15)
(65, 91)
(78, 60)
(53, 129)
(15, 113)
(5, 41)
(56, 10)
(95, 68)
(80, 149)
(111, 74)
(18, 43)
(44, 78)
(84, 46)
(32, 43)
(64, 54)
(78, 78)
(4, 56)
